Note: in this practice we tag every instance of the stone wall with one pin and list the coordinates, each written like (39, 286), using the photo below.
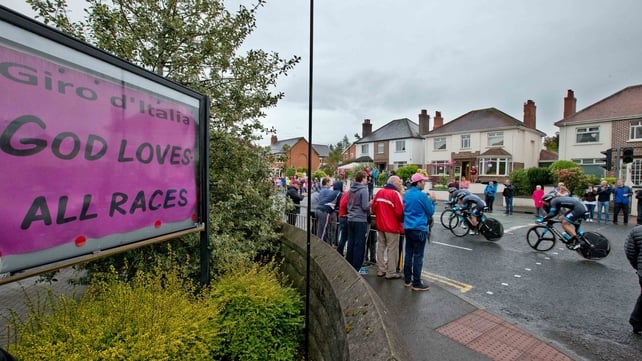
(348, 320)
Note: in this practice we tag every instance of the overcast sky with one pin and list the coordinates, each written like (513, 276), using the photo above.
(388, 59)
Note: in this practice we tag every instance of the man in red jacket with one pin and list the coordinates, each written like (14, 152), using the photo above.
(387, 206)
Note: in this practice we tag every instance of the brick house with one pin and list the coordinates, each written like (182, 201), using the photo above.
(614, 123)
(295, 153)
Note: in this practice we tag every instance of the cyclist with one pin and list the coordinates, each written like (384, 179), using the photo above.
(571, 219)
(474, 203)
(454, 192)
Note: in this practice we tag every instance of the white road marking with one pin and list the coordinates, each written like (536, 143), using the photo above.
(453, 246)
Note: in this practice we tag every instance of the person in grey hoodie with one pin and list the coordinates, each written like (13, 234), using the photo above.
(358, 209)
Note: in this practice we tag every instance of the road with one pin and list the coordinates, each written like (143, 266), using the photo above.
(581, 306)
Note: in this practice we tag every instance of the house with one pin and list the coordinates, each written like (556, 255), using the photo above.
(485, 143)
(293, 153)
(394, 145)
(613, 124)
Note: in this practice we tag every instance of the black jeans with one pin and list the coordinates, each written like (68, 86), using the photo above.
(625, 212)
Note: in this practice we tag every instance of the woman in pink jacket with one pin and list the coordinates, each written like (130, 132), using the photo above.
(538, 193)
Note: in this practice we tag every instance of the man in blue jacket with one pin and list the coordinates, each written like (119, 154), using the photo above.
(490, 192)
(418, 210)
(621, 196)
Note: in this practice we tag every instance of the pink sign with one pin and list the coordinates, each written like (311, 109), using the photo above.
(83, 156)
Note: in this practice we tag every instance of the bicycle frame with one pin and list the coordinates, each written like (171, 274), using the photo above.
(542, 237)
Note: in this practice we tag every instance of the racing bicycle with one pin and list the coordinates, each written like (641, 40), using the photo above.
(460, 225)
(593, 245)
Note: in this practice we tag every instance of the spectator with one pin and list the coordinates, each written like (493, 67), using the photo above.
(295, 195)
(342, 230)
(538, 193)
(490, 192)
(621, 196)
(508, 193)
(387, 207)
(638, 196)
(603, 199)
(370, 184)
(561, 190)
(590, 195)
(418, 211)
(453, 183)
(463, 183)
(633, 251)
(327, 204)
(473, 174)
(358, 209)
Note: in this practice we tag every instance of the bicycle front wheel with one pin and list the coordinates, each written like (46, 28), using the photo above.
(445, 218)
(458, 225)
(540, 238)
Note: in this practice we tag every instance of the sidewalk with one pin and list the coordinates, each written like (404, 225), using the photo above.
(441, 325)
(22, 296)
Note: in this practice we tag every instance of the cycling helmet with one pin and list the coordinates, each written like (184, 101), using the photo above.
(461, 195)
(452, 190)
(548, 197)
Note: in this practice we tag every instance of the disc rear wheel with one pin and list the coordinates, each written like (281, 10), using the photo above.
(596, 246)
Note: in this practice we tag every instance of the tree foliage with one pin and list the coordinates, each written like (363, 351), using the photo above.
(197, 43)
(552, 143)
(335, 158)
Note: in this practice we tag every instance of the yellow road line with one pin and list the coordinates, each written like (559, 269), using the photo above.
(462, 287)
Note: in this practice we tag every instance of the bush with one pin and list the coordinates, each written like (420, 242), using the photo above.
(260, 319)
(519, 180)
(154, 317)
(541, 176)
(407, 171)
(246, 315)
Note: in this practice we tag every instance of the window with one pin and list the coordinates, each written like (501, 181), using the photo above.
(588, 135)
(494, 166)
(400, 146)
(587, 161)
(380, 148)
(636, 130)
(439, 167)
(399, 164)
(636, 171)
(495, 139)
(364, 148)
(440, 143)
(465, 141)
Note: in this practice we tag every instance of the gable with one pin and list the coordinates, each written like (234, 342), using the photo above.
(277, 148)
(627, 103)
(397, 129)
(478, 120)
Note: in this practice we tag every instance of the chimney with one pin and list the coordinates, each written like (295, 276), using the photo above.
(424, 122)
(274, 139)
(438, 121)
(366, 128)
(569, 104)
(529, 114)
